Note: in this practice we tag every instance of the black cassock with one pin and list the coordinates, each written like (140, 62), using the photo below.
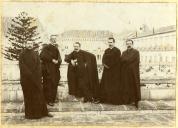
(92, 73)
(130, 76)
(30, 79)
(110, 81)
(50, 71)
(83, 78)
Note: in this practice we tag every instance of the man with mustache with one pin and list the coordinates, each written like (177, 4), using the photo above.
(130, 75)
(110, 80)
(82, 74)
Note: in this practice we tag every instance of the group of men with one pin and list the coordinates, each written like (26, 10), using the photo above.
(40, 75)
(120, 82)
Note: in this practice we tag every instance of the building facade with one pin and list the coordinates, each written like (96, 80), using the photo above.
(157, 52)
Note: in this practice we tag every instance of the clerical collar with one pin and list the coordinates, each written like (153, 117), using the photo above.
(52, 44)
(129, 49)
(111, 48)
(77, 51)
(29, 49)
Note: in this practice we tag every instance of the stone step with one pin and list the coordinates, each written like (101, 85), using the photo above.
(81, 107)
(141, 118)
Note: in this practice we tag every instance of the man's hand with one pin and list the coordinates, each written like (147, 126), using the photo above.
(55, 61)
(106, 66)
(76, 63)
(73, 62)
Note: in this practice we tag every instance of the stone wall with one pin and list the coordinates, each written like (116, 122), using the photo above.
(10, 71)
(152, 89)
(12, 92)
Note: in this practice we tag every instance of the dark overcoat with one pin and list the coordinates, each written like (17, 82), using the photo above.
(30, 79)
(51, 72)
(130, 76)
(85, 74)
(110, 80)
(92, 74)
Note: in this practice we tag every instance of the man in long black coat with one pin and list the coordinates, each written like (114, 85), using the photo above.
(110, 80)
(130, 76)
(30, 79)
(51, 61)
(92, 73)
(82, 74)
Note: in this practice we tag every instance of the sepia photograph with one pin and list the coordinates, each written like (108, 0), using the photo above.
(88, 64)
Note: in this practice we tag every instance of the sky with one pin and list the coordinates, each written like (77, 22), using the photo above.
(115, 17)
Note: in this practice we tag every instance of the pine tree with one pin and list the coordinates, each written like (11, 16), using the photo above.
(22, 29)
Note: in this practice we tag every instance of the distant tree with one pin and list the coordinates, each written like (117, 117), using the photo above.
(21, 29)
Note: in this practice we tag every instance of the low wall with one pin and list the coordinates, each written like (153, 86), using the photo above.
(11, 92)
(155, 87)
(10, 71)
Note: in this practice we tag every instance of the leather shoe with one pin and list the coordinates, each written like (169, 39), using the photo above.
(96, 102)
(136, 104)
(51, 104)
(49, 115)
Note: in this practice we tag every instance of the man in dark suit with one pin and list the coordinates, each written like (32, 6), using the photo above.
(30, 79)
(130, 75)
(51, 61)
(82, 74)
(110, 80)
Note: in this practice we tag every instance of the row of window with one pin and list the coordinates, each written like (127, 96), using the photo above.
(154, 38)
(150, 59)
(156, 59)
(164, 48)
(84, 39)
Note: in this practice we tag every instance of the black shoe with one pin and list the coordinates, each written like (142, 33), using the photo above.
(56, 101)
(88, 100)
(85, 100)
(136, 104)
(96, 102)
(51, 104)
(49, 115)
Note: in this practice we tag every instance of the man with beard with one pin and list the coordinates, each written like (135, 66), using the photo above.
(82, 74)
(110, 80)
(30, 79)
(130, 76)
(51, 61)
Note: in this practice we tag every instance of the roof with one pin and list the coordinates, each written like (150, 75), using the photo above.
(162, 30)
(86, 34)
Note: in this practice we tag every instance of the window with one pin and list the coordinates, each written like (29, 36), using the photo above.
(150, 60)
(145, 58)
(166, 59)
(160, 58)
(173, 59)
(155, 58)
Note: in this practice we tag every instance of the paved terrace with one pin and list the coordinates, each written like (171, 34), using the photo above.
(150, 113)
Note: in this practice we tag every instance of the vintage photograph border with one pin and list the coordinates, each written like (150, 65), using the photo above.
(98, 1)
